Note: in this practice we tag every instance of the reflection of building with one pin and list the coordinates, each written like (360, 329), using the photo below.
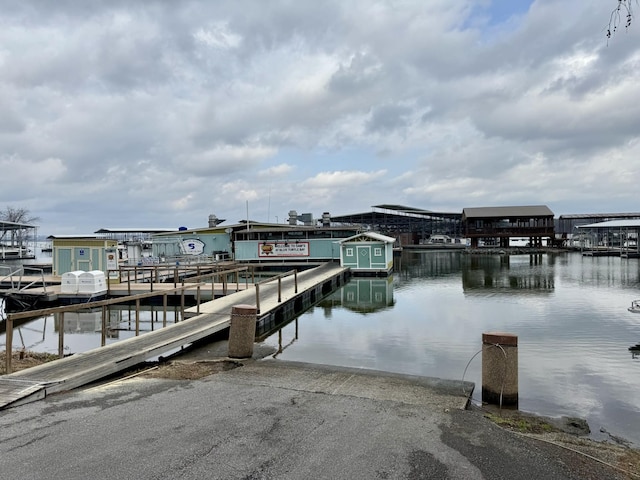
(367, 295)
(87, 322)
(507, 274)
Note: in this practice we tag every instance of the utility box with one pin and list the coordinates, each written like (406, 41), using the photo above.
(70, 281)
(92, 282)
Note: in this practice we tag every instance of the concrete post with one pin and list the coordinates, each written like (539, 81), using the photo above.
(500, 369)
(242, 331)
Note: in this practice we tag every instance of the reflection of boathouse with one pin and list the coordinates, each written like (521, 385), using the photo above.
(368, 295)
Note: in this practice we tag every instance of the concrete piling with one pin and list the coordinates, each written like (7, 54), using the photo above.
(500, 369)
(242, 331)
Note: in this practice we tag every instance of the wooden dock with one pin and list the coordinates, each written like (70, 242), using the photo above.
(276, 299)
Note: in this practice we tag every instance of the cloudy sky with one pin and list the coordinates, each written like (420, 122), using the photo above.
(158, 113)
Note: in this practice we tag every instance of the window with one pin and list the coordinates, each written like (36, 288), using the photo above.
(349, 252)
(377, 252)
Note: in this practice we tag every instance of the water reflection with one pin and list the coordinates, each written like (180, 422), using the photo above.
(362, 295)
(508, 274)
(569, 312)
(82, 330)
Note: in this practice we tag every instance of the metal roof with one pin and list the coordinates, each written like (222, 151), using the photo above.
(5, 225)
(633, 223)
(400, 215)
(373, 235)
(508, 212)
(402, 208)
(135, 230)
(576, 216)
(63, 237)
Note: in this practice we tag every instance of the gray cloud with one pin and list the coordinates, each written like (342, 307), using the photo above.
(152, 103)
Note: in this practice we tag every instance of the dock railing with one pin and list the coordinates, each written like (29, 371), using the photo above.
(151, 274)
(11, 317)
(277, 278)
(16, 275)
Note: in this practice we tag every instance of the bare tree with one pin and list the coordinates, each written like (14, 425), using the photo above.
(16, 215)
(621, 15)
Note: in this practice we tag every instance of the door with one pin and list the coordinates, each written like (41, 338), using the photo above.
(364, 257)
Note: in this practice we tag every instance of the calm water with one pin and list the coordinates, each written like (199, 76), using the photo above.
(569, 312)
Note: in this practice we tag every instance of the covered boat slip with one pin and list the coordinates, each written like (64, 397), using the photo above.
(214, 316)
(14, 240)
(614, 237)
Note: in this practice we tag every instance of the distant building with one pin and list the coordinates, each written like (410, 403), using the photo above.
(83, 252)
(496, 225)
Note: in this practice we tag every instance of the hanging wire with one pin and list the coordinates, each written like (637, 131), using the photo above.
(504, 372)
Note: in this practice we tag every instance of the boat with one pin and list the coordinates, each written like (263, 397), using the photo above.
(7, 251)
(635, 306)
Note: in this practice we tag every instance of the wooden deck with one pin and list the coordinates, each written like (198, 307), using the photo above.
(83, 368)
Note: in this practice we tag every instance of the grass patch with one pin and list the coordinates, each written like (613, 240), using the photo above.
(23, 359)
(521, 424)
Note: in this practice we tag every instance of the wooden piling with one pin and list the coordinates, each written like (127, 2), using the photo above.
(242, 331)
(500, 369)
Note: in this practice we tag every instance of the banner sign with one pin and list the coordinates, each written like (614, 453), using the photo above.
(283, 249)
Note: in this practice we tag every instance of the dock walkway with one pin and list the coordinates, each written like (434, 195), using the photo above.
(214, 316)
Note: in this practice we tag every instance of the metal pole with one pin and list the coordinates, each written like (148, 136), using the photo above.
(279, 289)
(129, 282)
(295, 280)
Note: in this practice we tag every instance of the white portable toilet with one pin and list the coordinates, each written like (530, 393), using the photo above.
(92, 282)
(70, 281)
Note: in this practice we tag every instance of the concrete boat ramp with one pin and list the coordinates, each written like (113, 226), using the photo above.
(277, 300)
